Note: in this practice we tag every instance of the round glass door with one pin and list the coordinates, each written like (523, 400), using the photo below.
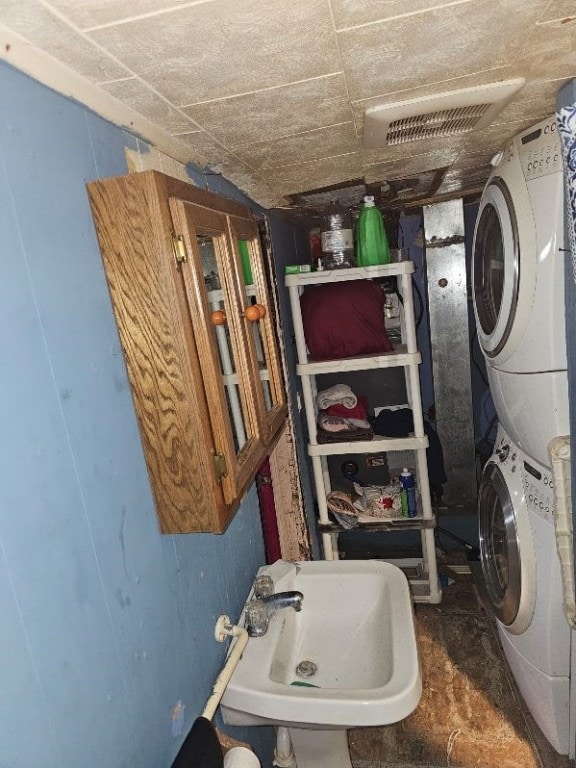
(489, 268)
(495, 270)
(499, 548)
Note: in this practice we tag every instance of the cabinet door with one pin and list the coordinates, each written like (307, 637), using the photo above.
(202, 363)
(134, 230)
(223, 336)
(250, 281)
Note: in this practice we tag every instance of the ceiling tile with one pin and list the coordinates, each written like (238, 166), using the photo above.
(142, 99)
(220, 162)
(493, 138)
(256, 188)
(312, 145)
(256, 88)
(36, 24)
(472, 160)
(549, 52)
(315, 174)
(431, 47)
(448, 145)
(352, 13)
(86, 14)
(222, 48)
(535, 101)
(208, 151)
(275, 113)
(558, 9)
(411, 166)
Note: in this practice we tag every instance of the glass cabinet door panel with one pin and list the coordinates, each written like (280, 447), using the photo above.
(218, 332)
(218, 316)
(255, 296)
(251, 297)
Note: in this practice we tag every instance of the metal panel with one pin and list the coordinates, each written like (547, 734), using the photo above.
(450, 338)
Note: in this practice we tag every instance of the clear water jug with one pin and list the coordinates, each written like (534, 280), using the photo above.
(337, 238)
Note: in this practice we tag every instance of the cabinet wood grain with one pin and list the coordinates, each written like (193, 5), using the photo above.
(198, 467)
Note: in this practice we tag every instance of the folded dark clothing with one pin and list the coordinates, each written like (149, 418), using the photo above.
(394, 423)
(400, 423)
(343, 437)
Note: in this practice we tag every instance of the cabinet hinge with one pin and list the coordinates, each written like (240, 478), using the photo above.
(220, 466)
(179, 248)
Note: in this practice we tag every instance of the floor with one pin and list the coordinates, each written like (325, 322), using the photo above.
(470, 713)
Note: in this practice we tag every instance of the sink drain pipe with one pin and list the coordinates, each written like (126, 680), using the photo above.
(283, 754)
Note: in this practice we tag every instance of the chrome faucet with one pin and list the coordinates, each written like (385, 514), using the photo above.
(259, 611)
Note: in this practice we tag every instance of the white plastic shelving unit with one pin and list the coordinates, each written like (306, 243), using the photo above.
(422, 572)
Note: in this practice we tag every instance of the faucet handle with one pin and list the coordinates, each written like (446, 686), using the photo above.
(256, 618)
(263, 586)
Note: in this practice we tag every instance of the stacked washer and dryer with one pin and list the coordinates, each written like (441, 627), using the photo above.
(518, 286)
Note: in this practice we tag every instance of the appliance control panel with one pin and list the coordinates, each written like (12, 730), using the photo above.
(540, 150)
(537, 482)
(538, 491)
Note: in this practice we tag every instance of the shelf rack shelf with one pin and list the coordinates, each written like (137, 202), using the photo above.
(422, 572)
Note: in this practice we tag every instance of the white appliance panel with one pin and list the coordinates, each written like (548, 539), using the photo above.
(532, 408)
(526, 191)
(539, 656)
(546, 697)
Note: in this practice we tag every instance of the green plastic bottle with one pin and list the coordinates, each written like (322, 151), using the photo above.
(245, 259)
(371, 240)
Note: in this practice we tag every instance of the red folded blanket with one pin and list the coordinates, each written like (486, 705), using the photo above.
(360, 410)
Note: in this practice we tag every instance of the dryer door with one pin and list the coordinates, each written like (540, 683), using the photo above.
(506, 550)
(495, 271)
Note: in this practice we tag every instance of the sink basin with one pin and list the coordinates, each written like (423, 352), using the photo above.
(356, 626)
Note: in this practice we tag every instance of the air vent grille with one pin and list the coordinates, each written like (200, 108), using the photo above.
(445, 122)
(442, 114)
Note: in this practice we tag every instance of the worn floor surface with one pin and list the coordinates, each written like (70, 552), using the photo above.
(470, 713)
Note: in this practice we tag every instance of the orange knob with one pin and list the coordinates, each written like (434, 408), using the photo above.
(252, 313)
(261, 309)
(218, 317)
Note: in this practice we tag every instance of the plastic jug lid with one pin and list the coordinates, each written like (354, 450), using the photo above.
(369, 201)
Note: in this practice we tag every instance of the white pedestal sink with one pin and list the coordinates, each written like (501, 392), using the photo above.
(356, 626)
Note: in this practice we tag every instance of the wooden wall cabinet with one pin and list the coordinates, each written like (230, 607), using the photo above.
(199, 341)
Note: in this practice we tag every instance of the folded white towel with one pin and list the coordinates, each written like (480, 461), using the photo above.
(339, 393)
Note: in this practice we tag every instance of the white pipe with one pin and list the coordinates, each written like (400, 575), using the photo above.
(283, 754)
(223, 630)
(559, 453)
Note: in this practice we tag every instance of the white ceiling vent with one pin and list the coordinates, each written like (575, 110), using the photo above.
(444, 114)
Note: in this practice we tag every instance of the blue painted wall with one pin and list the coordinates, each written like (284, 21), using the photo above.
(106, 624)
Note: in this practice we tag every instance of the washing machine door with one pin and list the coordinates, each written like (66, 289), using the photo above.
(506, 548)
(496, 267)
